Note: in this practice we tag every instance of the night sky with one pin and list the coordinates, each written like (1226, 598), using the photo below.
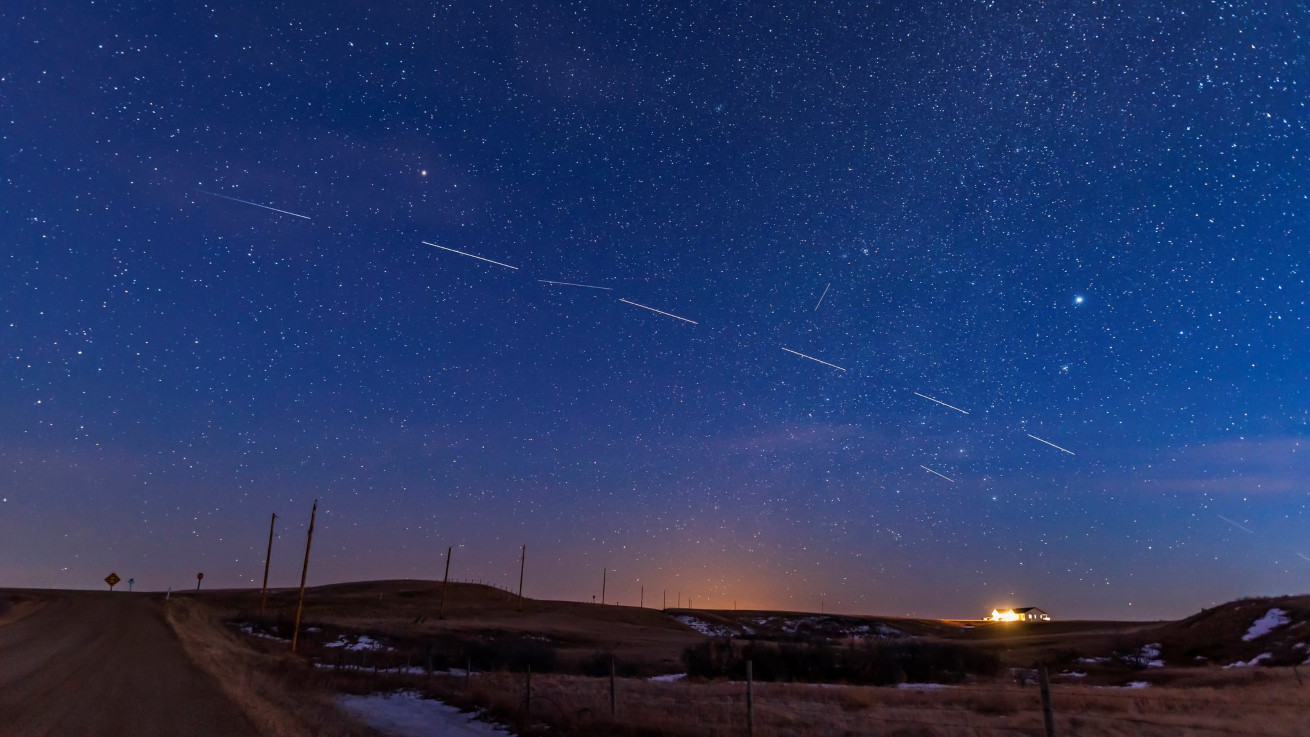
(1083, 223)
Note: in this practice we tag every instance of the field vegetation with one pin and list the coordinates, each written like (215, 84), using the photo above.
(904, 677)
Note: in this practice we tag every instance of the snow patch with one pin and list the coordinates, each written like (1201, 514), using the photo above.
(1253, 661)
(922, 686)
(363, 642)
(249, 629)
(404, 670)
(408, 714)
(1150, 655)
(706, 628)
(1073, 674)
(1259, 628)
(669, 677)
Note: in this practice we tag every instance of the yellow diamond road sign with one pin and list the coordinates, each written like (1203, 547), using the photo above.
(112, 579)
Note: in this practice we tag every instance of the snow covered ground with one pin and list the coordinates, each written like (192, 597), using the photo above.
(1150, 656)
(407, 714)
(1253, 661)
(1259, 628)
(250, 630)
(363, 642)
(706, 628)
(669, 677)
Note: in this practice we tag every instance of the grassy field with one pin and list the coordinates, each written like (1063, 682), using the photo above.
(1090, 664)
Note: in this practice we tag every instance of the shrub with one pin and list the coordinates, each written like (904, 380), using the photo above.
(879, 664)
(511, 653)
(597, 665)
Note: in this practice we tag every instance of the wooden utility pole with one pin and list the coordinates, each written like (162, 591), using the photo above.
(665, 605)
(263, 592)
(445, 582)
(614, 708)
(641, 602)
(304, 571)
(603, 576)
(1047, 713)
(523, 558)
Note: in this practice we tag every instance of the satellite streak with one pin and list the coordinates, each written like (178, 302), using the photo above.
(1243, 529)
(571, 284)
(470, 255)
(930, 399)
(1053, 445)
(812, 358)
(929, 470)
(652, 309)
(821, 296)
(1303, 555)
(256, 204)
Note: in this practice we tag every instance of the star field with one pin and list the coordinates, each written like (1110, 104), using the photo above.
(976, 305)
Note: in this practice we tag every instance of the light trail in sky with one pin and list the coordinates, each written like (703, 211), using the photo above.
(256, 204)
(652, 309)
(929, 470)
(812, 358)
(470, 255)
(938, 401)
(1053, 445)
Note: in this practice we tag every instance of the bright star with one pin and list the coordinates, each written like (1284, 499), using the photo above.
(1078, 299)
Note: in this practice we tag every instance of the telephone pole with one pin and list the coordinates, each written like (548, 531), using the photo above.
(523, 559)
(304, 571)
(605, 573)
(268, 556)
(445, 582)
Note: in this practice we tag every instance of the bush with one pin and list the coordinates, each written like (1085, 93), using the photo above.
(597, 665)
(511, 653)
(880, 664)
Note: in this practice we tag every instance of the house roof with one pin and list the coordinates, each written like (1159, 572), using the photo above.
(1026, 609)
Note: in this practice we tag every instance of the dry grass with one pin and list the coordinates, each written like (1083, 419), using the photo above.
(1267, 704)
(643, 638)
(1200, 701)
(281, 694)
(15, 607)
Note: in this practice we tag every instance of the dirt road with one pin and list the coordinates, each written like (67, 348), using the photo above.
(102, 664)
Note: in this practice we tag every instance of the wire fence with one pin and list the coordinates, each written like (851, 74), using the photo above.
(1024, 709)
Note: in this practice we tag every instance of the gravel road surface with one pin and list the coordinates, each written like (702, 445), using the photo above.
(106, 664)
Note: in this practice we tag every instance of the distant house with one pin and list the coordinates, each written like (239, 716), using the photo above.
(1018, 614)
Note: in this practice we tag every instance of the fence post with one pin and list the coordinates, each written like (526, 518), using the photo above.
(614, 710)
(468, 674)
(527, 698)
(1047, 713)
(750, 699)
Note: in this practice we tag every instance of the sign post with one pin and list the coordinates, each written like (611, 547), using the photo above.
(112, 579)
(199, 577)
(130, 581)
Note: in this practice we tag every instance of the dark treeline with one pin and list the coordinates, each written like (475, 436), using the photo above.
(819, 661)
